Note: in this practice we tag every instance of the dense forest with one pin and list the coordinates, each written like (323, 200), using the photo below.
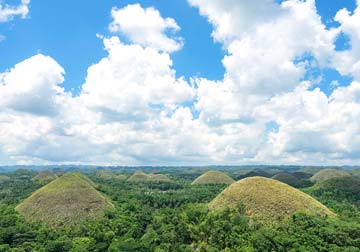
(173, 215)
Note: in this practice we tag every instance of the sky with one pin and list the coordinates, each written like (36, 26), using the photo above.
(182, 82)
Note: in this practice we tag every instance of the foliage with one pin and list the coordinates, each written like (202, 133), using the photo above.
(267, 200)
(67, 200)
(173, 217)
(213, 177)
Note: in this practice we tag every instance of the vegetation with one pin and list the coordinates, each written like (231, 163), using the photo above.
(67, 200)
(341, 189)
(106, 174)
(301, 175)
(44, 177)
(213, 177)
(287, 178)
(254, 173)
(120, 177)
(174, 217)
(267, 200)
(141, 177)
(4, 178)
(328, 174)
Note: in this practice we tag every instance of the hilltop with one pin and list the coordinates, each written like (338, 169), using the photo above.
(68, 200)
(141, 177)
(106, 175)
(3, 178)
(213, 177)
(287, 178)
(356, 172)
(120, 177)
(267, 200)
(254, 173)
(44, 177)
(328, 174)
(339, 189)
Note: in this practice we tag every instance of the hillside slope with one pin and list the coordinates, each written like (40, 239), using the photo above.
(328, 174)
(213, 177)
(267, 200)
(68, 200)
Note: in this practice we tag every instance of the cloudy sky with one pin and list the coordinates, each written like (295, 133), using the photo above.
(182, 82)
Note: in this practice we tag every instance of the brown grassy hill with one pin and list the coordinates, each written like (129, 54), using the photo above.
(68, 200)
(287, 178)
(301, 175)
(255, 173)
(138, 177)
(120, 177)
(267, 200)
(328, 174)
(44, 177)
(356, 172)
(340, 189)
(141, 177)
(106, 175)
(4, 178)
(213, 177)
(158, 178)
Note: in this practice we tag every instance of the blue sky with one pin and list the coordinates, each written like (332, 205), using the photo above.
(66, 30)
(265, 81)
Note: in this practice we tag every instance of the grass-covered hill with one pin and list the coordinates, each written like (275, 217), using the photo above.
(68, 200)
(356, 172)
(328, 174)
(287, 178)
(310, 170)
(105, 174)
(120, 177)
(4, 178)
(266, 200)
(141, 177)
(254, 173)
(339, 189)
(44, 177)
(302, 175)
(213, 177)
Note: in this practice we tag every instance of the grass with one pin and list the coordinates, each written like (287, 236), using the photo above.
(356, 172)
(287, 178)
(68, 200)
(328, 174)
(141, 177)
(106, 175)
(213, 177)
(44, 177)
(339, 189)
(3, 178)
(120, 177)
(267, 200)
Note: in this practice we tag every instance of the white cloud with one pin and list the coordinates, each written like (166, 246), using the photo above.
(232, 18)
(146, 27)
(348, 61)
(133, 82)
(134, 109)
(8, 12)
(32, 86)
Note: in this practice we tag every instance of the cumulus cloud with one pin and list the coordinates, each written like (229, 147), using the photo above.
(348, 61)
(32, 86)
(133, 109)
(146, 27)
(8, 12)
(132, 82)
